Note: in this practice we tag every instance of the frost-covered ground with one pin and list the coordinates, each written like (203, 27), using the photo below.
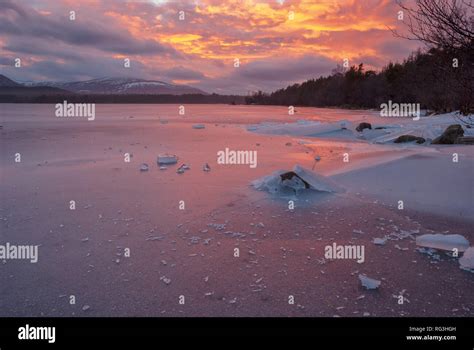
(191, 252)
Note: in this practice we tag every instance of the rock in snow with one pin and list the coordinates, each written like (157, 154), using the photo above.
(363, 126)
(369, 283)
(466, 262)
(443, 242)
(450, 135)
(298, 179)
(409, 138)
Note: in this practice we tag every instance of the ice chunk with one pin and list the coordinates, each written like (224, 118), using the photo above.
(144, 167)
(466, 262)
(167, 159)
(165, 279)
(368, 282)
(317, 182)
(443, 242)
(298, 179)
(182, 168)
(380, 241)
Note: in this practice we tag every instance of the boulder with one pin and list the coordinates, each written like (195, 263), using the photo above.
(450, 135)
(363, 126)
(409, 138)
(465, 140)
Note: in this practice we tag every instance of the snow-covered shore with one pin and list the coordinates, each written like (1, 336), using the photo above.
(428, 177)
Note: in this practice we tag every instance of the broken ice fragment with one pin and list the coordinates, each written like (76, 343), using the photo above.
(144, 167)
(380, 241)
(167, 159)
(466, 262)
(430, 252)
(182, 168)
(297, 180)
(369, 283)
(443, 242)
(165, 280)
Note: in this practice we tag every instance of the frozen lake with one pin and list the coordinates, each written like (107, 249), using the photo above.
(137, 241)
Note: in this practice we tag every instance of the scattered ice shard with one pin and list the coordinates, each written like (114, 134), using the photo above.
(199, 126)
(369, 283)
(182, 168)
(144, 167)
(165, 279)
(443, 242)
(167, 159)
(466, 262)
(380, 241)
(298, 179)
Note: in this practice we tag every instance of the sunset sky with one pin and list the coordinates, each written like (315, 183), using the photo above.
(274, 48)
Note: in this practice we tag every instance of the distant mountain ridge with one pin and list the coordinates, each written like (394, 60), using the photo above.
(118, 85)
(106, 86)
(7, 82)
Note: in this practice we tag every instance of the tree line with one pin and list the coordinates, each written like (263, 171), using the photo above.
(440, 77)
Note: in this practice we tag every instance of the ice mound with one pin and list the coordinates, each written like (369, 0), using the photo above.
(305, 128)
(297, 180)
(467, 260)
(443, 242)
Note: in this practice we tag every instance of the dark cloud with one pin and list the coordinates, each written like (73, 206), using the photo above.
(182, 73)
(285, 69)
(21, 21)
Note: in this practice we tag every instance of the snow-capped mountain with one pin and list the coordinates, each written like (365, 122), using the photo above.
(7, 82)
(121, 86)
